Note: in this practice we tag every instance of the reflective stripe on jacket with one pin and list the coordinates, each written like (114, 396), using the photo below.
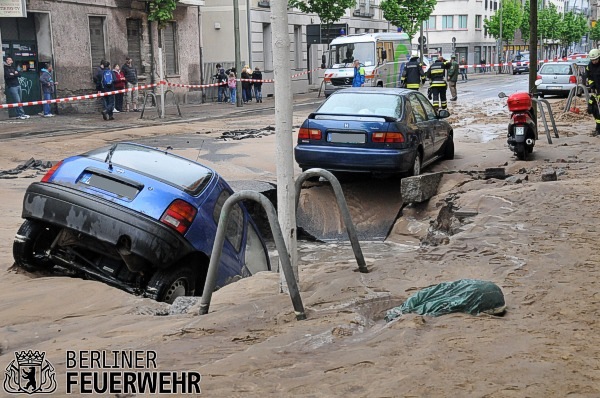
(413, 74)
(437, 72)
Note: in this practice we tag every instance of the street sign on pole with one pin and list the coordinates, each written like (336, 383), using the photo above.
(13, 9)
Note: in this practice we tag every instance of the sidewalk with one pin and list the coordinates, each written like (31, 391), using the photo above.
(82, 122)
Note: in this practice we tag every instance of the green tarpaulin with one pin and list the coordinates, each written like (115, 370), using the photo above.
(465, 295)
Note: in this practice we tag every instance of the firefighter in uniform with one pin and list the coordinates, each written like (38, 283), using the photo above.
(437, 75)
(413, 73)
(592, 73)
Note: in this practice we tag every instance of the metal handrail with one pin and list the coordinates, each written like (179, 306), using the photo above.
(342, 205)
(284, 258)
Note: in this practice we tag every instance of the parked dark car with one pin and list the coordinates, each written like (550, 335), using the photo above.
(520, 64)
(137, 218)
(375, 130)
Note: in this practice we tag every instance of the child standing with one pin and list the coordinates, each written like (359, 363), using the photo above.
(231, 83)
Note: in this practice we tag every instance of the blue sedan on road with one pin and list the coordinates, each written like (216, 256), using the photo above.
(374, 130)
(137, 218)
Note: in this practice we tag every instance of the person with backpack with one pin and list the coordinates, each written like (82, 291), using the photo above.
(221, 80)
(257, 77)
(98, 76)
(107, 85)
(131, 77)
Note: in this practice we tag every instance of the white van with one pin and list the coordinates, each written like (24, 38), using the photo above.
(383, 55)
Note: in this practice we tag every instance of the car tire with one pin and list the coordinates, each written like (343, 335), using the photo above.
(168, 284)
(449, 148)
(416, 168)
(514, 72)
(31, 243)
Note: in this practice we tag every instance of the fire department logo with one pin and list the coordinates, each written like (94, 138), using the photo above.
(29, 373)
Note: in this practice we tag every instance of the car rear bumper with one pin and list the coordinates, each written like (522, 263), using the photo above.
(556, 88)
(355, 159)
(105, 221)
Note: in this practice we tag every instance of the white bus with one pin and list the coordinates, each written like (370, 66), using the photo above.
(383, 56)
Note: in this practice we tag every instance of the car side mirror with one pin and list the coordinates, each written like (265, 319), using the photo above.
(443, 113)
(383, 55)
(323, 61)
(501, 94)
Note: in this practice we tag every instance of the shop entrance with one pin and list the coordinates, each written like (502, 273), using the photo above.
(21, 40)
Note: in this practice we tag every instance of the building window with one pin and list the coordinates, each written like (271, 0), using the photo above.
(486, 4)
(298, 45)
(97, 44)
(267, 47)
(134, 42)
(462, 22)
(447, 21)
(430, 23)
(171, 50)
(495, 5)
(478, 22)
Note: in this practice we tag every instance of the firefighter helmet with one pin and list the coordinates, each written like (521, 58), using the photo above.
(594, 54)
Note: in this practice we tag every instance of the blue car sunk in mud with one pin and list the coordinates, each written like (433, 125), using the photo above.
(136, 218)
(374, 130)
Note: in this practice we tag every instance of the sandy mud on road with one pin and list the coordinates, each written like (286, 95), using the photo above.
(537, 240)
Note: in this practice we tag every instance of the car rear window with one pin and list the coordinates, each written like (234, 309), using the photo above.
(555, 69)
(363, 104)
(182, 173)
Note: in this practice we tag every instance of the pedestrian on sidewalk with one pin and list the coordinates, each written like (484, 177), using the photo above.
(48, 85)
(463, 69)
(13, 87)
(257, 77)
(120, 84)
(108, 85)
(453, 77)
(221, 80)
(359, 74)
(131, 76)
(231, 83)
(246, 85)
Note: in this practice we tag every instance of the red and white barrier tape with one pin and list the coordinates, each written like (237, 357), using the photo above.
(75, 98)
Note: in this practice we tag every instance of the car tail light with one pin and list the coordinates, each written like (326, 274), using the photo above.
(309, 134)
(51, 172)
(573, 79)
(387, 137)
(520, 118)
(538, 77)
(179, 216)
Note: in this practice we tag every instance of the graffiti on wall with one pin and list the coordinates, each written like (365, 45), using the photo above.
(26, 85)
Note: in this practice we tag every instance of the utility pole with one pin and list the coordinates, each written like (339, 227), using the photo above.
(238, 61)
(499, 52)
(286, 193)
(533, 39)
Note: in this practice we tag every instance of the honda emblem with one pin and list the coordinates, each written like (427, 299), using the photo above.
(346, 125)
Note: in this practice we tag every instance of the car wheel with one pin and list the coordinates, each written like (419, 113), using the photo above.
(32, 242)
(416, 169)
(449, 148)
(166, 285)
(514, 72)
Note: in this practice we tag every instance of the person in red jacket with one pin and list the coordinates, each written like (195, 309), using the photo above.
(120, 84)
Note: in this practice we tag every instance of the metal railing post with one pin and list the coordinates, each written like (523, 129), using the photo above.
(543, 113)
(284, 258)
(342, 205)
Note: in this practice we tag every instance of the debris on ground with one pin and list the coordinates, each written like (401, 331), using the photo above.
(471, 296)
(247, 133)
(31, 164)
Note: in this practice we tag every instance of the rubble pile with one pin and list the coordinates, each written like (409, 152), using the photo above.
(247, 133)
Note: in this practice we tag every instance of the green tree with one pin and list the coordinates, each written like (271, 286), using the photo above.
(524, 27)
(549, 23)
(327, 10)
(161, 12)
(595, 33)
(512, 14)
(407, 14)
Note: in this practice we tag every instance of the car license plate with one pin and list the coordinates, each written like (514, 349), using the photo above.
(520, 130)
(347, 138)
(554, 87)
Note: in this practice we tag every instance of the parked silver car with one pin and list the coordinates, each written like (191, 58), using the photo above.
(558, 78)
